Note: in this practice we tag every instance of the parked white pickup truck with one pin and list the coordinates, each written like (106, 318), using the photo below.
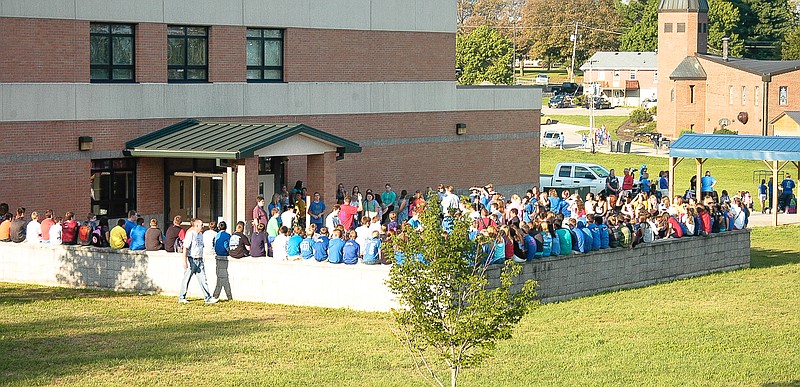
(573, 175)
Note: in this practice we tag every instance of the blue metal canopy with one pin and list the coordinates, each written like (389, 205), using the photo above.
(745, 147)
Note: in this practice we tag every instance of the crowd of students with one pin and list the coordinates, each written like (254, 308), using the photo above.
(536, 224)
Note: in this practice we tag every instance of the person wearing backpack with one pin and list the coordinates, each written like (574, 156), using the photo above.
(69, 229)
(85, 234)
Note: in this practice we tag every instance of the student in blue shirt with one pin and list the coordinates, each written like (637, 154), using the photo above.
(604, 235)
(787, 187)
(137, 235)
(762, 195)
(373, 250)
(321, 245)
(315, 210)
(351, 251)
(222, 240)
(335, 246)
(595, 230)
(307, 245)
(293, 245)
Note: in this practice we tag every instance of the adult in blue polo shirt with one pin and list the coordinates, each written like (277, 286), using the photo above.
(787, 187)
(315, 210)
(707, 184)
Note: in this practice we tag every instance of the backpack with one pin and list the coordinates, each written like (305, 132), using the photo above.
(178, 245)
(625, 236)
(98, 240)
(84, 234)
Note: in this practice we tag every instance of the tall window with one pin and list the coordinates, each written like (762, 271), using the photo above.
(691, 93)
(187, 54)
(111, 52)
(113, 187)
(755, 95)
(730, 95)
(783, 95)
(264, 55)
(744, 95)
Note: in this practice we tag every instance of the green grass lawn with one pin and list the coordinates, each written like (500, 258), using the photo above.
(557, 76)
(611, 122)
(735, 328)
(731, 175)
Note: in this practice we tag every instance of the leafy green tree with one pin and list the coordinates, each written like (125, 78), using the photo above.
(484, 55)
(451, 316)
(723, 21)
(639, 19)
(763, 25)
(550, 24)
(790, 47)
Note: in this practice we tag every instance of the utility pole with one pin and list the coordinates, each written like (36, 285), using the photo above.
(592, 94)
(574, 39)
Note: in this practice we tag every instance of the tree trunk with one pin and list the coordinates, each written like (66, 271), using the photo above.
(453, 376)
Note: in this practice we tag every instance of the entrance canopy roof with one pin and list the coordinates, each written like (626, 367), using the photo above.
(719, 146)
(225, 140)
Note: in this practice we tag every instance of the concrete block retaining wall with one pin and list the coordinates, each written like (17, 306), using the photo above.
(361, 287)
(565, 277)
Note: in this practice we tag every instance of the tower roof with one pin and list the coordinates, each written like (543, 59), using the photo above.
(683, 5)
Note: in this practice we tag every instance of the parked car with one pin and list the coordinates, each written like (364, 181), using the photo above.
(544, 120)
(560, 101)
(551, 139)
(598, 102)
(542, 79)
(569, 88)
(648, 103)
(574, 175)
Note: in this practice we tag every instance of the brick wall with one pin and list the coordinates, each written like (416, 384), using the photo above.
(322, 177)
(151, 52)
(368, 56)
(462, 164)
(48, 50)
(227, 54)
(44, 50)
(565, 277)
(150, 180)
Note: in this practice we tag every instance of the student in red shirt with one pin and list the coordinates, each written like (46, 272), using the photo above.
(347, 212)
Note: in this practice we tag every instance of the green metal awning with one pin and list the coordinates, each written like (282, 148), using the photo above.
(225, 140)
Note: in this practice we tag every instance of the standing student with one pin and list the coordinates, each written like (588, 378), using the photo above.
(762, 195)
(273, 225)
(193, 263)
(259, 213)
(787, 193)
(221, 246)
(316, 209)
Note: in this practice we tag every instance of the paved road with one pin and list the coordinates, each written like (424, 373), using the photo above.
(579, 111)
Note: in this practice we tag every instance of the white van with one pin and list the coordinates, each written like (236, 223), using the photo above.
(551, 139)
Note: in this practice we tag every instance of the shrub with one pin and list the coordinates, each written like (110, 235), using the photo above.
(649, 128)
(654, 110)
(724, 130)
(579, 100)
(640, 116)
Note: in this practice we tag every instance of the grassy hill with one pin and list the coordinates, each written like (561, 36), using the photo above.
(736, 328)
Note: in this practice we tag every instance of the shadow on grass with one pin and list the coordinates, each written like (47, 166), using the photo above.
(48, 349)
(782, 384)
(761, 258)
(24, 294)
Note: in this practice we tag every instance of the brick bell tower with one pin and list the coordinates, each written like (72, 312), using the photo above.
(682, 33)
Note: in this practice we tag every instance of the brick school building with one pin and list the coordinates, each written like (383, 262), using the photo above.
(184, 110)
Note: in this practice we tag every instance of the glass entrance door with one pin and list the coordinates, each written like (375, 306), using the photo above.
(195, 195)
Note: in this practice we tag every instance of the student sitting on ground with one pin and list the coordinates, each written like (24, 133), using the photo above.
(279, 245)
(118, 235)
(373, 250)
(293, 245)
(307, 245)
(321, 245)
(351, 250)
(335, 246)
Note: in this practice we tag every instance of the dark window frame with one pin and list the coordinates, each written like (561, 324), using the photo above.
(680, 28)
(691, 93)
(112, 167)
(186, 66)
(668, 28)
(262, 68)
(111, 66)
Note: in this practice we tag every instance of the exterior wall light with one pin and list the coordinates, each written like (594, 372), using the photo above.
(461, 129)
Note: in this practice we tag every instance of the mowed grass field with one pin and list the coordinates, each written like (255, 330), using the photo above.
(735, 328)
